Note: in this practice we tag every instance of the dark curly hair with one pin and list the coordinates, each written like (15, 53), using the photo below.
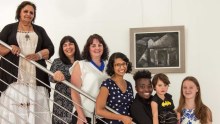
(86, 54)
(21, 6)
(62, 55)
(110, 65)
(141, 74)
(162, 77)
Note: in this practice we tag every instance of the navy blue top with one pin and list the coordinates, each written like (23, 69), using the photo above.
(117, 100)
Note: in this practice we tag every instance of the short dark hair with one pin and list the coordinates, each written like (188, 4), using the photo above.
(21, 6)
(110, 65)
(62, 55)
(142, 74)
(86, 54)
(162, 77)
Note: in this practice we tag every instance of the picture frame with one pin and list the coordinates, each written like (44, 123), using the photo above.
(158, 49)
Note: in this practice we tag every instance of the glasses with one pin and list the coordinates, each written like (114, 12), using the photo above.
(119, 65)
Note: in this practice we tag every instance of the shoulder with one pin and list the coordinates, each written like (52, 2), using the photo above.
(136, 103)
(167, 95)
(57, 61)
(155, 98)
(76, 65)
(37, 27)
(11, 26)
(107, 83)
(209, 114)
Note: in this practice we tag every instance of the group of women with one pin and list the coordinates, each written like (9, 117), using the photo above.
(25, 99)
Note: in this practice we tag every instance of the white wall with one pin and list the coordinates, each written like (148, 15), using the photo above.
(112, 19)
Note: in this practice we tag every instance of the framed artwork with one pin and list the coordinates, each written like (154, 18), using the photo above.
(158, 49)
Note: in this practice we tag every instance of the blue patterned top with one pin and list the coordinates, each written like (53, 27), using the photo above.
(117, 100)
(189, 117)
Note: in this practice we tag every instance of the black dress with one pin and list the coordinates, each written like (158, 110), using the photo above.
(65, 90)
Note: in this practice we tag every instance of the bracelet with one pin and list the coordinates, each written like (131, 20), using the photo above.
(40, 56)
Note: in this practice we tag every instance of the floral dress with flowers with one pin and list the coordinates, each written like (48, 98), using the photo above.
(189, 117)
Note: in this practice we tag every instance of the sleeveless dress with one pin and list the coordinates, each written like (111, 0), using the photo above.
(64, 114)
(166, 113)
(28, 101)
(189, 117)
(91, 82)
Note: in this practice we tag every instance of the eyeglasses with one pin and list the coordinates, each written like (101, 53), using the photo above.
(119, 65)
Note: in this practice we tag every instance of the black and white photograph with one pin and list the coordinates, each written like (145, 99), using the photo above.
(159, 49)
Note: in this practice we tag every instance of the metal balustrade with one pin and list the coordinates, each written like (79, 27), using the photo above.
(65, 82)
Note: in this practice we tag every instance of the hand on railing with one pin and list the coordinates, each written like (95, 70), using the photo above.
(58, 76)
(33, 57)
(15, 50)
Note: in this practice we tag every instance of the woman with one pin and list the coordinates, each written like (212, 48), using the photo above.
(88, 75)
(68, 54)
(116, 92)
(191, 108)
(141, 109)
(31, 40)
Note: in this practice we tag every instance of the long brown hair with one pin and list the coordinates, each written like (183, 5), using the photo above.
(201, 110)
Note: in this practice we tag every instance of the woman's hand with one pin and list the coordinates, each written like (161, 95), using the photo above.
(58, 76)
(33, 57)
(126, 120)
(15, 50)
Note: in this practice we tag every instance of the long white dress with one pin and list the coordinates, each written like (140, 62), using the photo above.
(25, 102)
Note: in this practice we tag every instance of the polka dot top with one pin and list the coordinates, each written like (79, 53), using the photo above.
(117, 100)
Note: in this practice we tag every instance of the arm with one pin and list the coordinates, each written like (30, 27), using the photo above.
(43, 54)
(3, 50)
(77, 81)
(154, 107)
(178, 117)
(102, 111)
(209, 116)
(55, 68)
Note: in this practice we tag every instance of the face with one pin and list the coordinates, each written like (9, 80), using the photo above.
(144, 88)
(189, 89)
(69, 49)
(120, 67)
(96, 49)
(161, 88)
(27, 14)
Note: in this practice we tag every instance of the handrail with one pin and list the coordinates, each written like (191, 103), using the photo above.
(64, 81)
(46, 86)
(51, 73)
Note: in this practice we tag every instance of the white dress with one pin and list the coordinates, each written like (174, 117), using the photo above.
(92, 79)
(189, 117)
(28, 101)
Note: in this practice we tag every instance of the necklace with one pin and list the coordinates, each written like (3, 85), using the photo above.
(27, 36)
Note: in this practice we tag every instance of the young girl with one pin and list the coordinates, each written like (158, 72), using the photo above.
(191, 108)
(162, 103)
